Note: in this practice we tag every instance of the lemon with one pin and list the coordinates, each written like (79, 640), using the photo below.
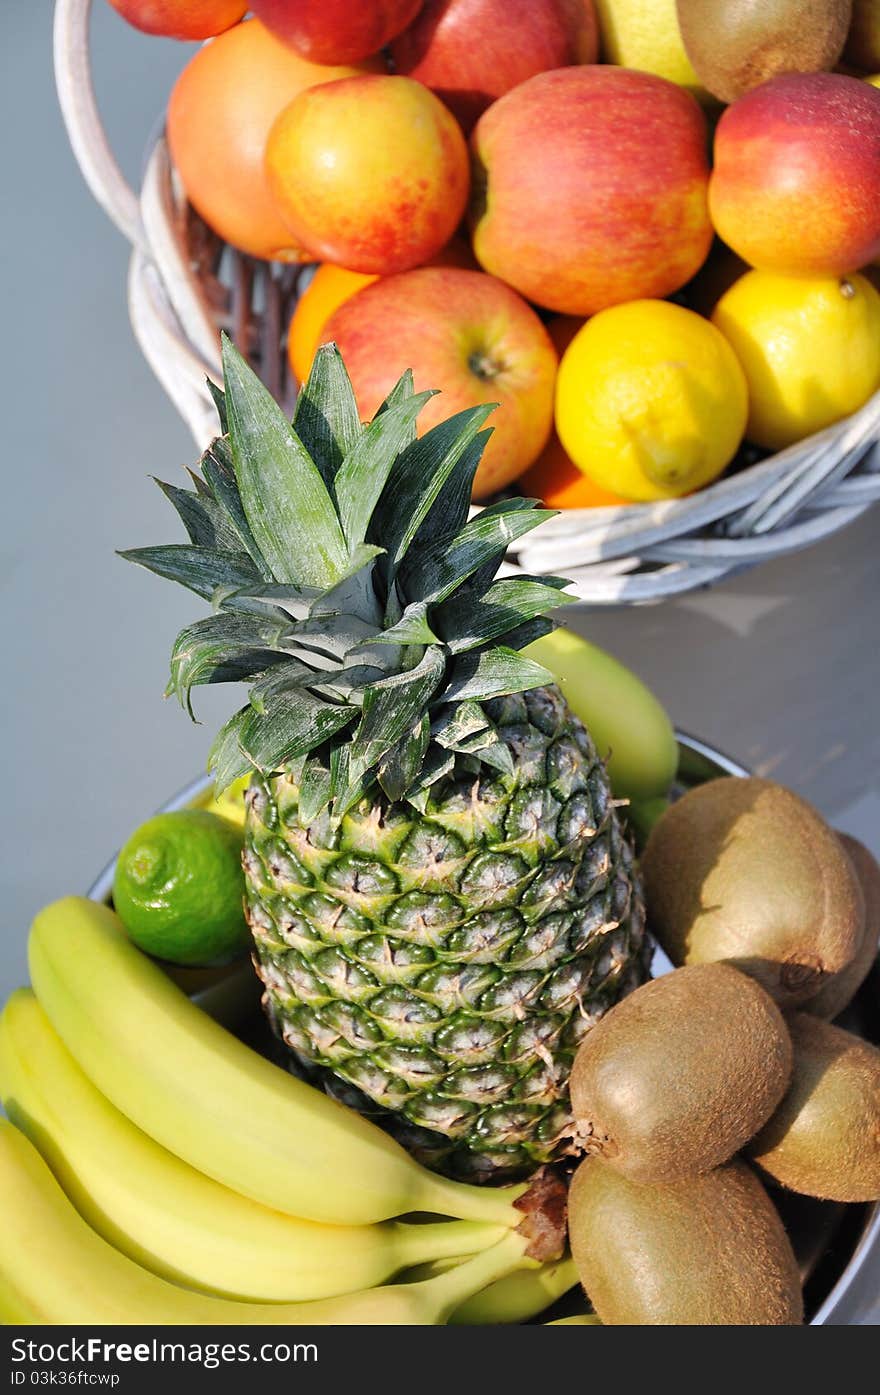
(179, 887)
(650, 400)
(645, 34)
(810, 348)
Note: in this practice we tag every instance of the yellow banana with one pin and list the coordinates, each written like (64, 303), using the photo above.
(174, 1220)
(55, 1269)
(196, 1089)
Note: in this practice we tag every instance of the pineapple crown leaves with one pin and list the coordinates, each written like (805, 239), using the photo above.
(350, 590)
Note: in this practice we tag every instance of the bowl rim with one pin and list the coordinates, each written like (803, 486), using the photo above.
(832, 1309)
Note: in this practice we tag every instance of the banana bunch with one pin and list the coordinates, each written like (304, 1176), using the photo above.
(156, 1170)
(55, 1269)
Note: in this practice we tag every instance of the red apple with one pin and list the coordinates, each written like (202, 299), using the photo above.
(336, 31)
(369, 172)
(468, 335)
(181, 19)
(590, 188)
(471, 52)
(796, 183)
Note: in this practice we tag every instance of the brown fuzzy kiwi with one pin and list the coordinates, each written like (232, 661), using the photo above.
(681, 1074)
(709, 1251)
(745, 871)
(824, 1139)
(734, 45)
(839, 991)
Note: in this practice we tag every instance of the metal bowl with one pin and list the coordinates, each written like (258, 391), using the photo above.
(838, 1246)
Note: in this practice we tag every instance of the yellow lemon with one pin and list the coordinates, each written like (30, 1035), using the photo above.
(645, 34)
(810, 348)
(650, 400)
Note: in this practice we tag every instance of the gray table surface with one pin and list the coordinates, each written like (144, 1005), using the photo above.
(780, 668)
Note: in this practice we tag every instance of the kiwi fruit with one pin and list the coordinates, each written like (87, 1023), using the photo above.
(824, 1139)
(734, 45)
(839, 991)
(708, 1251)
(743, 870)
(681, 1074)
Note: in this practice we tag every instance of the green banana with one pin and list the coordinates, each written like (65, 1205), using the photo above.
(55, 1269)
(623, 716)
(175, 1221)
(202, 1094)
(519, 1296)
(641, 816)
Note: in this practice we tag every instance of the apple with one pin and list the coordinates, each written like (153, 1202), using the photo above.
(181, 19)
(796, 183)
(336, 31)
(590, 188)
(466, 334)
(471, 52)
(369, 172)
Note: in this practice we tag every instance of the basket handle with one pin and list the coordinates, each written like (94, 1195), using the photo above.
(76, 93)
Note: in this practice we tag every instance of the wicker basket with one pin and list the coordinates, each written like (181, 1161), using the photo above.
(184, 284)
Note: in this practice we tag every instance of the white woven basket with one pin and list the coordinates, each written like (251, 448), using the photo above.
(185, 284)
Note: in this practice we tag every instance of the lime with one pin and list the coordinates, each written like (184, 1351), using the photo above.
(179, 888)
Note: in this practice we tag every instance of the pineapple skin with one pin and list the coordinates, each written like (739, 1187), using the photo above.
(439, 968)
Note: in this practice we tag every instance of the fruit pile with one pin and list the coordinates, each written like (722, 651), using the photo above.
(446, 915)
(521, 223)
(774, 921)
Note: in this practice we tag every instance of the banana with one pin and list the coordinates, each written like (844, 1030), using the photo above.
(623, 716)
(55, 1269)
(197, 1090)
(520, 1295)
(174, 1220)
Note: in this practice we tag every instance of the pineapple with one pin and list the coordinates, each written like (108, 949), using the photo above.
(441, 896)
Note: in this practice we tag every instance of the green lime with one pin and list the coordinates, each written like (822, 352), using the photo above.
(179, 886)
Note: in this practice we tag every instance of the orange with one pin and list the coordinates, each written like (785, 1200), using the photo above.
(222, 108)
(331, 286)
(560, 484)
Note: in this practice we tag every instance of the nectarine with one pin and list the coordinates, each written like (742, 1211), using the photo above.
(468, 335)
(181, 19)
(330, 287)
(590, 188)
(471, 52)
(370, 172)
(796, 183)
(336, 31)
